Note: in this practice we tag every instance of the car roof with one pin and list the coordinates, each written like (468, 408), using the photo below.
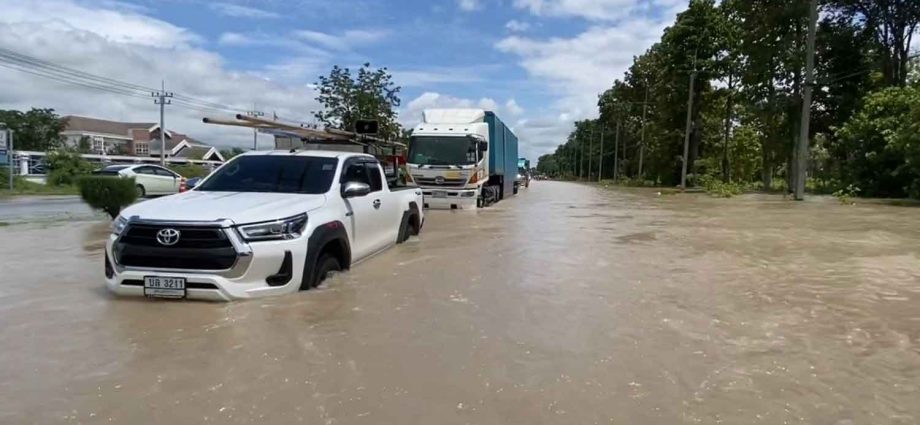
(116, 167)
(317, 153)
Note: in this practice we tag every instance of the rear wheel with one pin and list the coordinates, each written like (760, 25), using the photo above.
(403, 234)
(141, 192)
(325, 267)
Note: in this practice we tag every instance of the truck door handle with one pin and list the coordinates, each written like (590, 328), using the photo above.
(376, 204)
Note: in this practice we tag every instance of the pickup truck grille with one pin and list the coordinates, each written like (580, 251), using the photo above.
(198, 248)
(433, 182)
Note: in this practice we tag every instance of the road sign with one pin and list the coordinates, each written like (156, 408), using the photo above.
(4, 144)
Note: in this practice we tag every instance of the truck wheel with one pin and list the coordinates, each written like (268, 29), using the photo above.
(141, 192)
(324, 266)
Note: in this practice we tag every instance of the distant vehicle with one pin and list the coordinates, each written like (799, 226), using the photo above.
(523, 174)
(191, 183)
(148, 179)
(265, 223)
(463, 158)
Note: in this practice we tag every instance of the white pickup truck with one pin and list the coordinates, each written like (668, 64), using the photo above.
(265, 223)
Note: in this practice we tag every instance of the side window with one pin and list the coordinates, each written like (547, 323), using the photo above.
(163, 172)
(373, 171)
(355, 172)
(144, 170)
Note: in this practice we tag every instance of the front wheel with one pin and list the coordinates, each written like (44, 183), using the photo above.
(141, 192)
(325, 267)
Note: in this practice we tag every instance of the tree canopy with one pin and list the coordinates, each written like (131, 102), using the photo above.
(369, 95)
(748, 60)
(35, 130)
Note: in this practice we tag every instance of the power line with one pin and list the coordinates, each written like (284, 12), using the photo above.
(41, 68)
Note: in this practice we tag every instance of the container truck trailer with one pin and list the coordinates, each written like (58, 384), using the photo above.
(463, 158)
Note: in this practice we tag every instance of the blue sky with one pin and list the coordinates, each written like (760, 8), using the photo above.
(538, 63)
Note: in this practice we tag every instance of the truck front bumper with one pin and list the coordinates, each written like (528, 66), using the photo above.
(440, 198)
(247, 278)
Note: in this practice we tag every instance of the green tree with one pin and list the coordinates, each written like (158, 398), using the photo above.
(230, 153)
(882, 144)
(65, 167)
(891, 24)
(370, 95)
(35, 130)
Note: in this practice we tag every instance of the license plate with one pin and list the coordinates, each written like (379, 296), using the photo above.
(438, 194)
(164, 287)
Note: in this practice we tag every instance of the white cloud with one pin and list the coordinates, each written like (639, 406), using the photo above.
(513, 108)
(412, 113)
(119, 24)
(589, 9)
(469, 5)
(137, 49)
(239, 11)
(577, 69)
(515, 25)
(344, 41)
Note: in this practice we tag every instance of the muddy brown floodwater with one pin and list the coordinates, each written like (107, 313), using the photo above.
(569, 304)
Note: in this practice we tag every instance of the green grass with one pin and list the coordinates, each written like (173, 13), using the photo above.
(23, 187)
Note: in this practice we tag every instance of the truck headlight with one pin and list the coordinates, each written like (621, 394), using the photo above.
(285, 228)
(119, 225)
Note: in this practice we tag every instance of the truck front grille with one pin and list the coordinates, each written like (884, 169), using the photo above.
(198, 248)
(433, 182)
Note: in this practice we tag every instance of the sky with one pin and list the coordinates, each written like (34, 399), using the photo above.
(540, 64)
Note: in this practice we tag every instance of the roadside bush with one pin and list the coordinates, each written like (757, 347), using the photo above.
(716, 187)
(66, 167)
(107, 193)
(846, 195)
(189, 170)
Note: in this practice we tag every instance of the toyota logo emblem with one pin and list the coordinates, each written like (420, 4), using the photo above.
(168, 237)
(439, 180)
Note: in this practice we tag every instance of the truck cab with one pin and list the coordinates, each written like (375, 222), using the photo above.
(462, 158)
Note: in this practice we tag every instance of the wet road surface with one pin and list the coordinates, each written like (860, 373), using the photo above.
(566, 305)
(37, 208)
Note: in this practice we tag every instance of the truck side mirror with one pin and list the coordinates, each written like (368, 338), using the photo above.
(355, 189)
(483, 145)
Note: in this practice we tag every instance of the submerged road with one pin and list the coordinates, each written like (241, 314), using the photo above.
(568, 304)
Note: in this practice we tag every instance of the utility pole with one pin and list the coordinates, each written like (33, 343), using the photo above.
(616, 155)
(683, 168)
(581, 162)
(726, 172)
(162, 99)
(590, 145)
(600, 157)
(6, 136)
(642, 131)
(255, 131)
(801, 149)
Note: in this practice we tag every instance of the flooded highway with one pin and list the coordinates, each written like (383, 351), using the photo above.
(568, 304)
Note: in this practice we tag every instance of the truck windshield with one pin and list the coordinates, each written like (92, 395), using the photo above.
(271, 173)
(428, 150)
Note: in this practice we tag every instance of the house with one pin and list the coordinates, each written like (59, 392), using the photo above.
(140, 139)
